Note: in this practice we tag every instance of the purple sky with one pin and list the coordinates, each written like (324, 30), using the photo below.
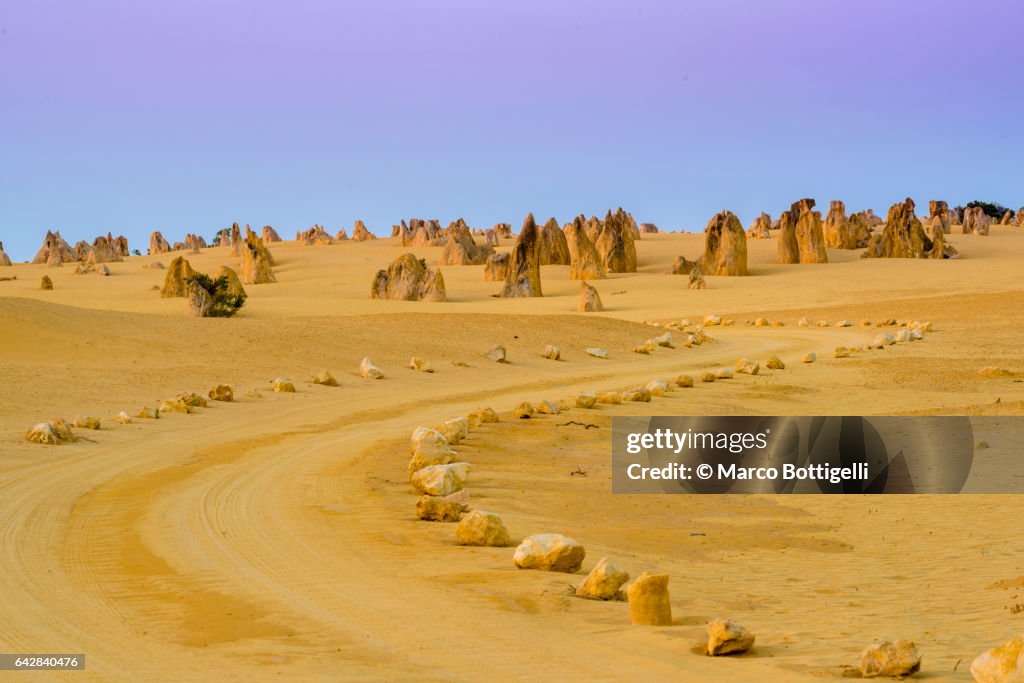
(186, 116)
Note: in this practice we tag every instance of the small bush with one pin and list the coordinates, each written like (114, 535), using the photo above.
(993, 209)
(222, 303)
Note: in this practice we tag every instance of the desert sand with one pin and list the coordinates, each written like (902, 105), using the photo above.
(275, 537)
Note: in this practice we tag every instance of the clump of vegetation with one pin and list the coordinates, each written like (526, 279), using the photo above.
(993, 209)
(220, 302)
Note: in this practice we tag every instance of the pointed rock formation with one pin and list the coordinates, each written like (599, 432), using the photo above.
(408, 279)
(648, 229)
(725, 246)
(157, 244)
(5, 260)
(1007, 218)
(176, 280)
(615, 243)
(460, 248)
(861, 229)
(46, 283)
(938, 211)
(903, 237)
(361, 234)
(801, 238)
(102, 251)
(315, 235)
(256, 260)
(589, 300)
(761, 227)
(54, 251)
(554, 249)
(236, 240)
(584, 261)
(837, 229)
(523, 277)
(269, 235)
(496, 268)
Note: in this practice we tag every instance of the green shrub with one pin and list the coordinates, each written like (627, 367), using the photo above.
(993, 209)
(222, 303)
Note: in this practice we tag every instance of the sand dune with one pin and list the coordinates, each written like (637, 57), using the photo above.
(275, 537)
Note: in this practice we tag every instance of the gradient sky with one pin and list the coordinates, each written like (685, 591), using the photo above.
(185, 116)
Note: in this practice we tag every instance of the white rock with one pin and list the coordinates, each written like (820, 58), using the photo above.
(809, 357)
(746, 367)
(657, 387)
(803, 322)
(496, 353)
(597, 352)
(547, 408)
(552, 352)
(604, 582)
(586, 399)
(550, 552)
(370, 371)
(482, 528)
(844, 323)
(441, 480)
(727, 637)
(664, 340)
(711, 320)
(1002, 664)
(455, 430)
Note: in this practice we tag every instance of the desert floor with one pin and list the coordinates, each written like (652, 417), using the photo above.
(275, 537)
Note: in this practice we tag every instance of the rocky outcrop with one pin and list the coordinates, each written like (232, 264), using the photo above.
(482, 529)
(361, 234)
(496, 268)
(199, 301)
(408, 279)
(176, 280)
(837, 229)
(761, 227)
(939, 216)
(554, 248)
(1003, 664)
(269, 235)
(589, 300)
(157, 244)
(55, 251)
(975, 221)
(905, 237)
(5, 260)
(103, 251)
(801, 238)
(315, 235)
(725, 246)
(341, 236)
(861, 228)
(648, 229)
(615, 245)
(256, 261)
(460, 248)
(234, 287)
(236, 240)
(584, 260)
(682, 266)
(523, 276)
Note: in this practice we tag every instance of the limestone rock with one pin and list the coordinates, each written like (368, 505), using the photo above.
(199, 301)
(523, 276)
(684, 381)
(841, 352)
(482, 416)
(1002, 664)
(549, 552)
(708, 376)
(837, 229)
(893, 659)
(597, 352)
(589, 299)
(584, 259)
(269, 235)
(723, 373)
(5, 260)
(554, 248)
(496, 267)
(725, 246)
(123, 418)
(46, 283)
(775, 363)
(325, 378)
(696, 280)
(441, 480)
(903, 237)
(370, 371)
(657, 387)
(454, 430)
(408, 279)
(975, 221)
(484, 529)
(761, 227)
(938, 215)
(809, 357)
(586, 399)
(50, 433)
(283, 386)
(726, 637)
(439, 509)
(547, 408)
(523, 410)
(552, 352)
(176, 280)
(747, 367)
(604, 582)
(157, 244)
(148, 413)
(610, 398)
(615, 244)
(87, 422)
(222, 392)
(683, 266)
(360, 233)
(649, 601)
(637, 395)
(496, 353)
(256, 260)
(420, 365)
(460, 249)
(234, 287)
